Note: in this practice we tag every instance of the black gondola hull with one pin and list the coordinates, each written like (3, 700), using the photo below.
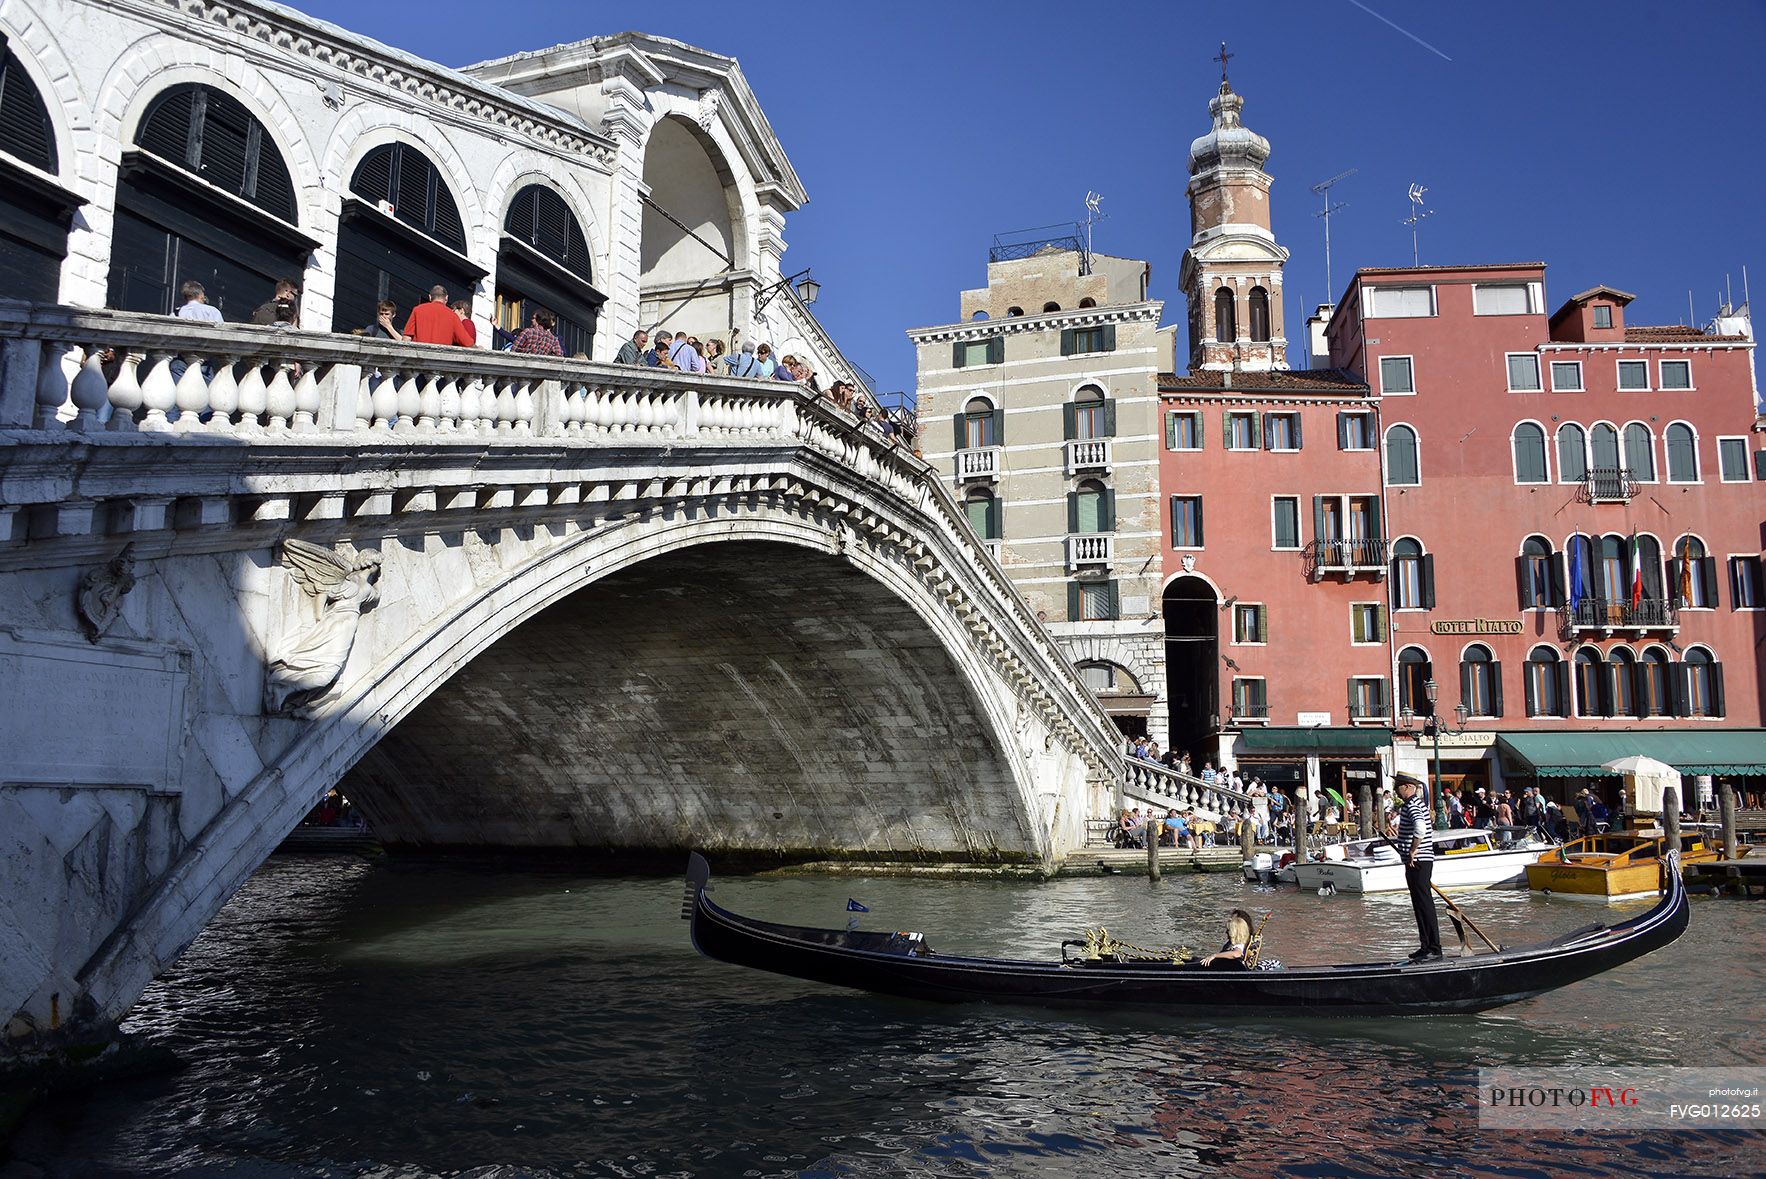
(1454, 985)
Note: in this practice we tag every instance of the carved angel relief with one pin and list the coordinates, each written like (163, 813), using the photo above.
(344, 584)
(100, 598)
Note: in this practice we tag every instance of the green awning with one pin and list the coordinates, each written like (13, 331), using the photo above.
(1317, 740)
(1581, 755)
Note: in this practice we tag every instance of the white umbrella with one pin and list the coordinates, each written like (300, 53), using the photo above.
(1638, 764)
(1648, 778)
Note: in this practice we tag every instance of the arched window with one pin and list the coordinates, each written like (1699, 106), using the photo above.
(1226, 324)
(1413, 576)
(1414, 673)
(401, 174)
(1640, 453)
(983, 510)
(1480, 682)
(1591, 696)
(1088, 301)
(1623, 684)
(1703, 685)
(1572, 453)
(1649, 564)
(1603, 446)
(1652, 683)
(1683, 454)
(1257, 304)
(1090, 414)
(979, 315)
(25, 130)
(1615, 572)
(1051, 306)
(1530, 466)
(980, 425)
(1012, 311)
(539, 218)
(209, 132)
(1693, 573)
(1545, 683)
(544, 262)
(1401, 457)
(1108, 679)
(1091, 507)
(1539, 574)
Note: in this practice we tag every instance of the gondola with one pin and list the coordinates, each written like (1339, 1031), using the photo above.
(906, 965)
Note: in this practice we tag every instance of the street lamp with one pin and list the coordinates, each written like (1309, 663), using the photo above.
(807, 290)
(1432, 691)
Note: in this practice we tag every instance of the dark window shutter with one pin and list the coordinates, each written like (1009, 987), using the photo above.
(956, 354)
(1558, 580)
(1428, 580)
(24, 119)
(1263, 624)
(1318, 517)
(1108, 333)
(227, 132)
(1496, 687)
(1067, 341)
(1109, 418)
(1115, 606)
(1708, 575)
(1072, 511)
(996, 350)
(166, 131)
(1256, 429)
(1269, 432)
(995, 524)
(1673, 594)
(1199, 540)
(1640, 688)
(1298, 445)
(1342, 431)
(1563, 685)
(1385, 697)
(1069, 421)
(518, 222)
(373, 179)
(1073, 602)
(1197, 414)
(1523, 581)
(1352, 700)
(999, 427)
(1380, 623)
(1717, 708)
(1677, 694)
(961, 422)
(1527, 682)
(1465, 681)
(1107, 512)
(1171, 430)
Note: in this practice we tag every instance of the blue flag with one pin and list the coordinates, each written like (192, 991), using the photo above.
(853, 906)
(1578, 587)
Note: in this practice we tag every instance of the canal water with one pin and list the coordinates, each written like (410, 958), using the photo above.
(343, 1018)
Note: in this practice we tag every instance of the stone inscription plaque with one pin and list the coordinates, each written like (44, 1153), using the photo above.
(75, 713)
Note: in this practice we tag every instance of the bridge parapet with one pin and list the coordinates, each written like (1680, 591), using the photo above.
(1154, 784)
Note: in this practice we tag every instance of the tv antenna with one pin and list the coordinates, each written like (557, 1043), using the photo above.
(1417, 213)
(1093, 214)
(1323, 189)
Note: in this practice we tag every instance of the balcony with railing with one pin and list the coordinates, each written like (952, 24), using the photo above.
(1609, 485)
(977, 463)
(1347, 558)
(995, 548)
(1605, 616)
(1369, 710)
(1090, 550)
(1088, 455)
(1250, 712)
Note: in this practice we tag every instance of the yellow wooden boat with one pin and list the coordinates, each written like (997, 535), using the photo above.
(1617, 866)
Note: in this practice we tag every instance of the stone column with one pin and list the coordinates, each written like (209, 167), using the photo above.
(627, 123)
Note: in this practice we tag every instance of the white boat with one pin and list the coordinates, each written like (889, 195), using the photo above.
(1264, 868)
(1465, 857)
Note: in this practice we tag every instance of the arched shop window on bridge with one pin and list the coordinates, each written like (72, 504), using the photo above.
(544, 262)
(35, 212)
(399, 235)
(204, 194)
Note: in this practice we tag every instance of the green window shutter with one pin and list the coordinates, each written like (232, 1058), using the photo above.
(999, 427)
(1297, 442)
(1197, 415)
(1199, 540)
(1109, 418)
(962, 424)
(1352, 700)
(1256, 429)
(996, 350)
(1496, 687)
(1226, 428)
(1171, 430)
(1318, 517)
(1263, 624)
(1342, 431)
(1374, 521)
(1069, 421)
(1072, 511)
(956, 354)
(1717, 708)
(1269, 432)
(1524, 581)
(1385, 697)
(1073, 606)
(1107, 512)
(1558, 597)
(1379, 624)
(1066, 341)
(1115, 606)
(1428, 580)
(1358, 620)
(995, 525)
(1108, 332)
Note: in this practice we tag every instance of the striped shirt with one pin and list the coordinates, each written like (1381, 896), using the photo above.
(1416, 829)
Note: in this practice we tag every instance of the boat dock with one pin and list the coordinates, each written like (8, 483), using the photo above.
(1132, 861)
(1742, 876)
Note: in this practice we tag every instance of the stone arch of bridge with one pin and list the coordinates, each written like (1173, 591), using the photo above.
(997, 768)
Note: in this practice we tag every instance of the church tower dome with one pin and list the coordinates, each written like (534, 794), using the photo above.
(1232, 272)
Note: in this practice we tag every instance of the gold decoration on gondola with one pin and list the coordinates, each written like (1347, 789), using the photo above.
(1099, 945)
(1254, 947)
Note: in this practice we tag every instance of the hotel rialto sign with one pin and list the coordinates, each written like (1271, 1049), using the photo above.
(1476, 626)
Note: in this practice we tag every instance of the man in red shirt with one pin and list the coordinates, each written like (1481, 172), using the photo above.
(433, 323)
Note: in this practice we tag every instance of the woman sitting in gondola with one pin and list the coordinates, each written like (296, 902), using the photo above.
(1231, 956)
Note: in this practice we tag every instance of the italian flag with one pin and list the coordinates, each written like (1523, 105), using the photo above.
(1636, 574)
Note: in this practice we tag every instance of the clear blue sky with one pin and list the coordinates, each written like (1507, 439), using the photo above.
(1618, 143)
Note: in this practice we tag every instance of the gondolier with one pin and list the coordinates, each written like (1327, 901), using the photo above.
(1415, 837)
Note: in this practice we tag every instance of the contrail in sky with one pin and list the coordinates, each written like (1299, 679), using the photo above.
(1401, 29)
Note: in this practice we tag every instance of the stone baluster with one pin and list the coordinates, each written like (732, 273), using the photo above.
(526, 407)
(90, 393)
(408, 402)
(279, 399)
(159, 393)
(125, 394)
(386, 401)
(365, 386)
(575, 409)
(448, 406)
(307, 401)
(506, 407)
(254, 399)
(191, 395)
(223, 396)
(428, 416)
(52, 387)
(487, 407)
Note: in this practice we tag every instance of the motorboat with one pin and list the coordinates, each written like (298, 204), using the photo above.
(1615, 866)
(1267, 868)
(1465, 857)
(905, 964)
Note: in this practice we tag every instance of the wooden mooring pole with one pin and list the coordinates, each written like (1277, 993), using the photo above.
(1154, 831)
(1726, 816)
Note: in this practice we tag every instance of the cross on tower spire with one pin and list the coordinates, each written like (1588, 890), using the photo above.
(1223, 57)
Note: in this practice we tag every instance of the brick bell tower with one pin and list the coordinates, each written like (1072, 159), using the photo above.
(1232, 272)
